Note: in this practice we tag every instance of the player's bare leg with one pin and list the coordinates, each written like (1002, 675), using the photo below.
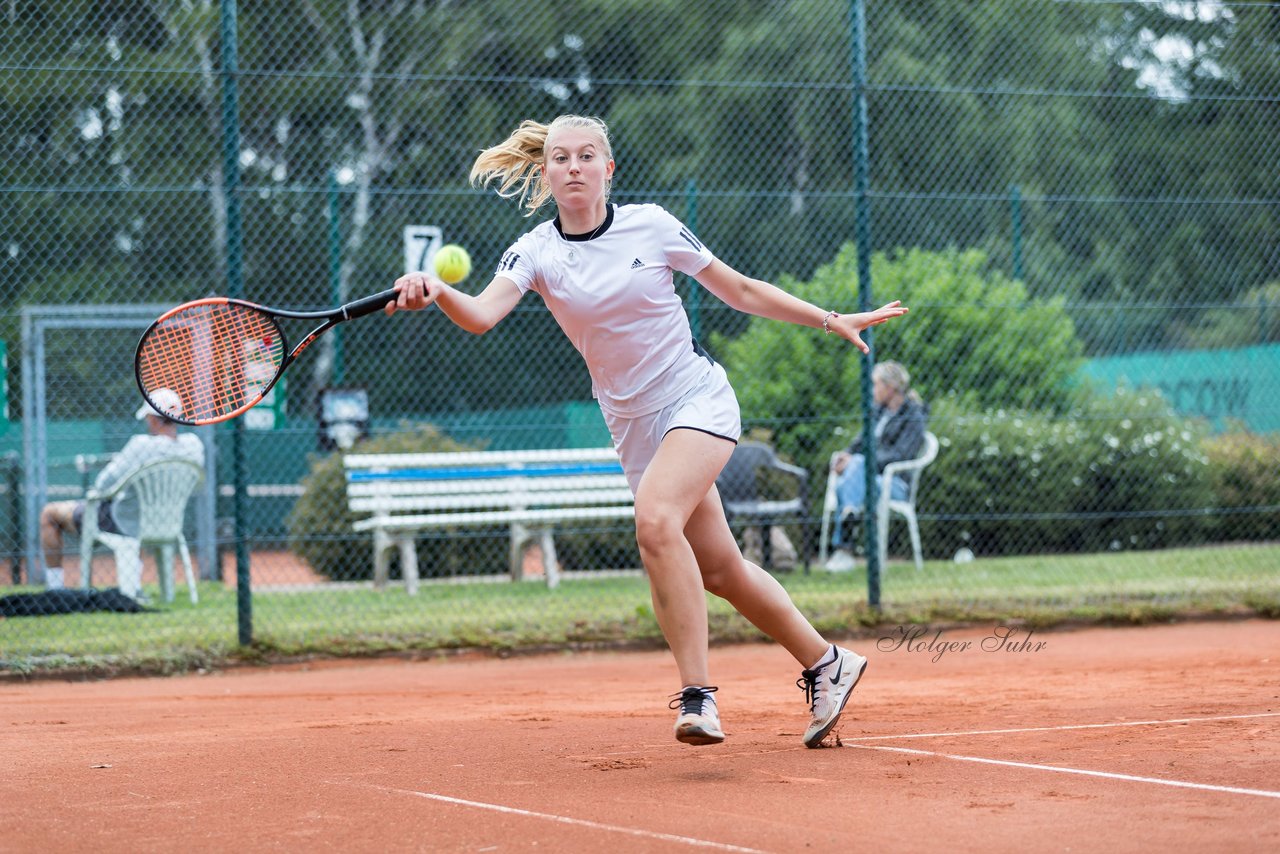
(680, 475)
(752, 591)
(829, 673)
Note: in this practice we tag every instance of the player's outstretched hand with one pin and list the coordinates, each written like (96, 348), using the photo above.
(417, 291)
(847, 326)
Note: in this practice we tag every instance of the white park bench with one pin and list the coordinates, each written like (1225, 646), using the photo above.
(530, 492)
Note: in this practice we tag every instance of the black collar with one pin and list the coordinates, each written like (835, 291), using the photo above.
(593, 233)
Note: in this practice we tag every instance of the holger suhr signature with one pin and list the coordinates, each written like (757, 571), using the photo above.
(1008, 639)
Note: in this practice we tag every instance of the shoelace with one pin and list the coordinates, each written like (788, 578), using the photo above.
(809, 682)
(690, 700)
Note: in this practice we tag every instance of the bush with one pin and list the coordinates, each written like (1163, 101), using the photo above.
(1242, 467)
(972, 332)
(1118, 472)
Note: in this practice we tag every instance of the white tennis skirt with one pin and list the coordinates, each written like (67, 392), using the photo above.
(710, 406)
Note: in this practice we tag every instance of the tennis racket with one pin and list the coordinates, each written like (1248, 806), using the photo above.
(221, 356)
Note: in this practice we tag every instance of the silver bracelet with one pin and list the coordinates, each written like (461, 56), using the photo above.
(826, 321)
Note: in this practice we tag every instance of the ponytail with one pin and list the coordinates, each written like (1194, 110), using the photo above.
(516, 164)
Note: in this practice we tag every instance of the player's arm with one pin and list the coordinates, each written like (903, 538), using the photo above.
(754, 296)
(477, 314)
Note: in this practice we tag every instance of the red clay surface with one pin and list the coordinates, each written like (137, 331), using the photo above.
(573, 752)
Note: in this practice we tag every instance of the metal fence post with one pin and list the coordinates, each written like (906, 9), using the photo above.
(235, 288)
(862, 207)
(335, 270)
(12, 465)
(695, 291)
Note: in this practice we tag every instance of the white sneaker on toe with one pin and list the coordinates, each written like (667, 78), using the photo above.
(841, 560)
(699, 718)
(827, 689)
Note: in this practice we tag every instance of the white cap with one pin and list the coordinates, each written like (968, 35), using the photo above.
(168, 402)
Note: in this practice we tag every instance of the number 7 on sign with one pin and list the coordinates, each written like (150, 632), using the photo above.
(420, 245)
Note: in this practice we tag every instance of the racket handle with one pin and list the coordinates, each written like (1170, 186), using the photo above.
(370, 304)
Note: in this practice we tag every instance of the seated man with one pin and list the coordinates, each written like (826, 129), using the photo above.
(161, 442)
(900, 420)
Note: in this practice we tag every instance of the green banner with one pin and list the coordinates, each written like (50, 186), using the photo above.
(4, 388)
(1227, 387)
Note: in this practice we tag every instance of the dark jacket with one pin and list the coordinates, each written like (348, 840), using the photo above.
(903, 436)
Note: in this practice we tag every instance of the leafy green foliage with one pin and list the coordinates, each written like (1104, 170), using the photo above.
(1252, 319)
(1117, 473)
(1245, 486)
(973, 334)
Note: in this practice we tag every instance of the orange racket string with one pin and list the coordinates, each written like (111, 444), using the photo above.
(219, 357)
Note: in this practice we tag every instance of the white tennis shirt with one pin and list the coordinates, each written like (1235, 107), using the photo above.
(612, 292)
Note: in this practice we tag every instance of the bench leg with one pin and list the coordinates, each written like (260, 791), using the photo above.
(409, 564)
(381, 559)
(550, 563)
(519, 533)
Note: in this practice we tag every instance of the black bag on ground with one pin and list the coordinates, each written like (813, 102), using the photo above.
(66, 601)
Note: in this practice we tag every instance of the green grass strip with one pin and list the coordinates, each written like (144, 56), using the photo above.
(341, 620)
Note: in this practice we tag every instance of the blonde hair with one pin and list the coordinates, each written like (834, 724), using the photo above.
(894, 375)
(516, 162)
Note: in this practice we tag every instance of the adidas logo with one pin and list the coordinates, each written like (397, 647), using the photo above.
(636, 264)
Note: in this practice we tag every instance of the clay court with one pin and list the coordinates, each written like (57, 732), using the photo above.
(1118, 739)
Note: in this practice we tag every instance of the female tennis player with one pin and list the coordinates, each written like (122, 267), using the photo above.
(605, 273)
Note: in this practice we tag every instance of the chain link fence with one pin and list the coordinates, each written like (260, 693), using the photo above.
(1077, 198)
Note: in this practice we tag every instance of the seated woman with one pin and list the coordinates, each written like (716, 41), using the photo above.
(900, 418)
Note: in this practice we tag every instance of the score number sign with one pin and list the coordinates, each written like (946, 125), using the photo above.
(420, 245)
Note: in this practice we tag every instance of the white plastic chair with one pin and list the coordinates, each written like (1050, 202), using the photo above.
(908, 470)
(161, 490)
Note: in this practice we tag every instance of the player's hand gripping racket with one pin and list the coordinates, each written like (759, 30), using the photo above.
(221, 356)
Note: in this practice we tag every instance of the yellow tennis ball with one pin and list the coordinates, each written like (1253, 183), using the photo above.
(453, 264)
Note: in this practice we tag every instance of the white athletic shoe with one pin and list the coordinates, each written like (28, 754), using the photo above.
(699, 719)
(827, 689)
(841, 560)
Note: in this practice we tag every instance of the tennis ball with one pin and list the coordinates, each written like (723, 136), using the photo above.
(452, 263)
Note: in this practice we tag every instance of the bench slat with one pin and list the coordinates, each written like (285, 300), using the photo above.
(497, 486)
(467, 458)
(386, 504)
(506, 517)
(421, 473)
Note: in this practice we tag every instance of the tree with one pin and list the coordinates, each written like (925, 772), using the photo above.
(733, 114)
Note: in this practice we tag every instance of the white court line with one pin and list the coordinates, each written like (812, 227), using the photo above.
(1061, 728)
(1181, 784)
(561, 819)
